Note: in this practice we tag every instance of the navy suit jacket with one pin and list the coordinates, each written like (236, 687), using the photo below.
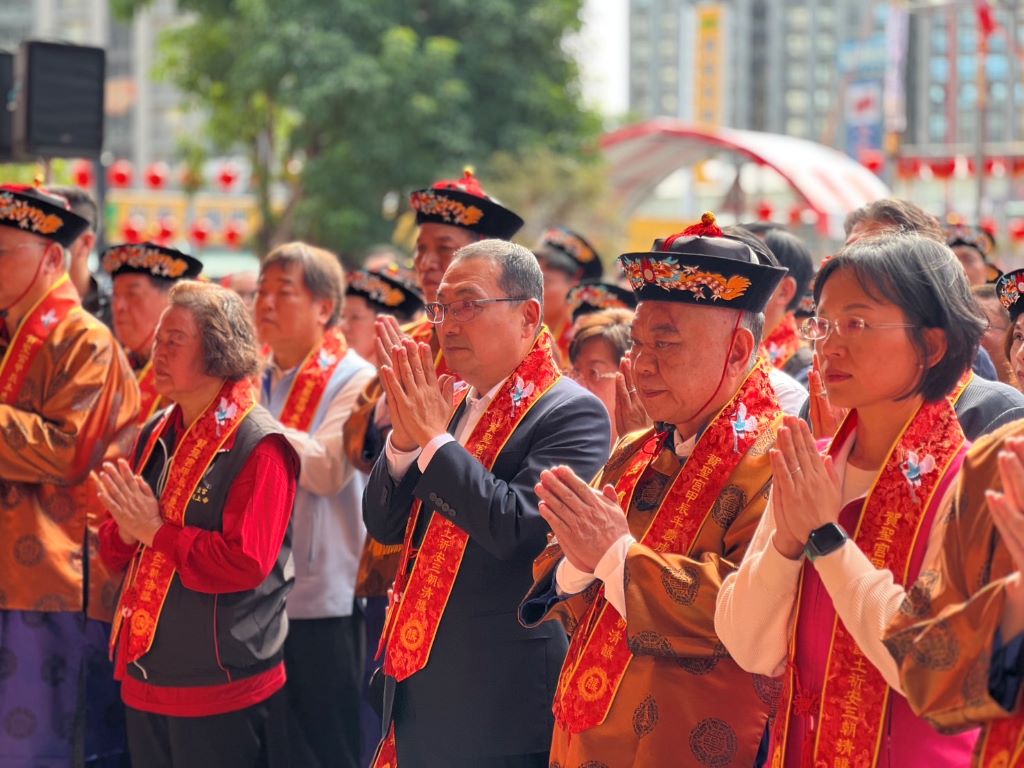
(488, 686)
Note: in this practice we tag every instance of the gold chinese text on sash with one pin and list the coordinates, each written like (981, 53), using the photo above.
(898, 510)
(421, 597)
(31, 334)
(782, 343)
(311, 381)
(149, 578)
(599, 653)
(151, 401)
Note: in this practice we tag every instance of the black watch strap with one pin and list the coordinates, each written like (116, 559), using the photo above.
(825, 540)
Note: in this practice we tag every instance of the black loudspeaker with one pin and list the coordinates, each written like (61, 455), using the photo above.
(6, 105)
(59, 106)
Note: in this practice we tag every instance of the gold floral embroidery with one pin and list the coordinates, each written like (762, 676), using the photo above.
(670, 275)
(377, 289)
(28, 216)
(571, 245)
(142, 257)
(430, 203)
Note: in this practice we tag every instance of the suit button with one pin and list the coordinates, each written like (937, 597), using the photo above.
(445, 508)
(433, 497)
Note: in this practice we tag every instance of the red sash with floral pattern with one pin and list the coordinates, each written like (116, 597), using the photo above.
(599, 653)
(151, 401)
(898, 510)
(149, 578)
(782, 343)
(1002, 744)
(961, 385)
(420, 597)
(311, 381)
(30, 336)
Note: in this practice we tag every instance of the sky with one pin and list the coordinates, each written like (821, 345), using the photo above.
(602, 51)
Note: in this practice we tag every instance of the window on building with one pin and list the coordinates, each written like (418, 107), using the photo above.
(796, 126)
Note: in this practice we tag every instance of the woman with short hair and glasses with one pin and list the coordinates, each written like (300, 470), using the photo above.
(846, 529)
(600, 341)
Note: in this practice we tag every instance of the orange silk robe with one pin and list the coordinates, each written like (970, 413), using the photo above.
(76, 408)
(943, 636)
(682, 700)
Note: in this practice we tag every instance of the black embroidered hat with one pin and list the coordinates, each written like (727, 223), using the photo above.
(1010, 289)
(978, 239)
(35, 210)
(385, 290)
(150, 259)
(572, 249)
(703, 266)
(594, 296)
(463, 203)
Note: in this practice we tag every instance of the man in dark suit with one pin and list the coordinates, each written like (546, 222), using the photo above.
(466, 684)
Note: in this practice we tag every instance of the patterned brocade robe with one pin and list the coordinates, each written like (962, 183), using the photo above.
(682, 700)
(944, 634)
(76, 408)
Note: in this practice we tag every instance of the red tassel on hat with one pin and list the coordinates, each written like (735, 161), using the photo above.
(468, 184)
(706, 228)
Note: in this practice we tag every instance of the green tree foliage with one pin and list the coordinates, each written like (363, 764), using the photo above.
(340, 102)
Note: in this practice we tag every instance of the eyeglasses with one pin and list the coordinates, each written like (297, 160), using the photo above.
(819, 328)
(461, 311)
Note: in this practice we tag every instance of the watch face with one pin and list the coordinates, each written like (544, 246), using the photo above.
(826, 539)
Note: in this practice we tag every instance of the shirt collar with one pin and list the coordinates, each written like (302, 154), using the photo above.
(473, 400)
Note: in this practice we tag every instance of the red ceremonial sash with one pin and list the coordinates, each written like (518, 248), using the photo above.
(1002, 744)
(599, 653)
(782, 343)
(897, 511)
(423, 331)
(311, 381)
(420, 597)
(961, 385)
(563, 342)
(149, 577)
(150, 401)
(31, 334)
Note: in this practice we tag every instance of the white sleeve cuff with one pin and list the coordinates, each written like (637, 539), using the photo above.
(611, 570)
(570, 580)
(398, 461)
(431, 448)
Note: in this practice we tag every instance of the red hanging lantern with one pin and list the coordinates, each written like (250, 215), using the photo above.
(796, 216)
(1017, 166)
(909, 168)
(872, 159)
(1017, 230)
(132, 229)
(156, 175)
(200, 231)
(765, 211)
(234, 233)
(943, 168)
(227, 176)
(81, 173)
(167, 228)
(120, 174)
(995, 166)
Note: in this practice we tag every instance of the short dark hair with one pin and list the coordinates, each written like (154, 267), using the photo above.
(924, 279)
(322, 273)
(753, 242)
(82, 203)
(794, 256)
(225, 329)
(609, 325)
(900, 215)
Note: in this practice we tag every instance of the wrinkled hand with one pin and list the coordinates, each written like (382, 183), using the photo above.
(586, 522)
(630, 414)
(825, 418)
(806, 492)
(1007, 510)
(130, 501)
(421, 405)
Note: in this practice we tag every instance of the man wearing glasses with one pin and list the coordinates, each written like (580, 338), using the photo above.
(466, 684)
(68, 401)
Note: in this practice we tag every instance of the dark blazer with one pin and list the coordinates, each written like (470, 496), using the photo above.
(488, 686)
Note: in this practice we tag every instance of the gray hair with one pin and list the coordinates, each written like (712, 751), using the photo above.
(520, 272)
(225, 329)
(753, 322)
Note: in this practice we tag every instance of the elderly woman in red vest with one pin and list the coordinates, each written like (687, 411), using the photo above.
(200, 521)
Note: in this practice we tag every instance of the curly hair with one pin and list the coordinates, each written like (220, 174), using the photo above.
(228, 339)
